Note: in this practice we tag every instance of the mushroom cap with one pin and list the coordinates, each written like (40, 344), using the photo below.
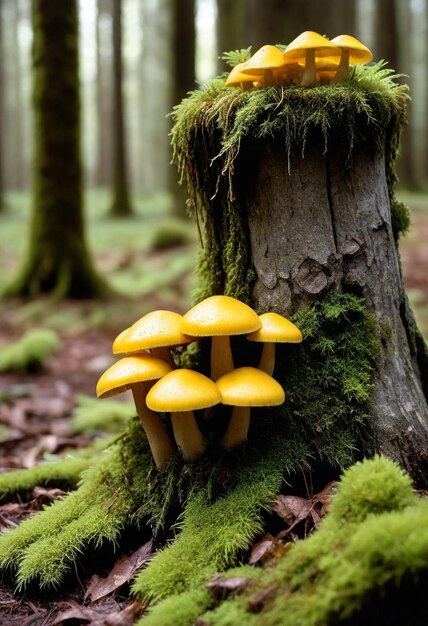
(236, 76)
(266, 58)
(310, 41)
(358, 52)
(218, 316)
(183, 390)
(276, 329)
(157, 329)
(249, 386)
(129, 371)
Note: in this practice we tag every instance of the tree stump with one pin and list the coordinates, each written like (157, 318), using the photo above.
(327, 224)
(293, 191)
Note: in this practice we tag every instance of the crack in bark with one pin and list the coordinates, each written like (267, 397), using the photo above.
(330, 201)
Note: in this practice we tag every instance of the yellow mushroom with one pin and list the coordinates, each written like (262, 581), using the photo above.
(219, 317)
(181, 392)
(237, 78)
(157, 331)
(263, 63)
(305, 48)
(244, 388)
(275, 329)
(353, 51)
(138, 373)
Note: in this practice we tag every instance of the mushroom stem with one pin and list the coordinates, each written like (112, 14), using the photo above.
(159, 441)
(164, 353)
(221, 357)
(267, 360)
(343, 67)
(237, 430)
(267, 78)
(309, 78)
(187, 434)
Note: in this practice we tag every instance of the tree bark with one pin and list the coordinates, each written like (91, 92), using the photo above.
(325, 225)
(121, 204)
(229, 29)
(103, 26)
(183, 74)
(1, 106)
(57, 259)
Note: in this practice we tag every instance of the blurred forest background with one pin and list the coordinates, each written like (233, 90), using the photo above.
(137, 59)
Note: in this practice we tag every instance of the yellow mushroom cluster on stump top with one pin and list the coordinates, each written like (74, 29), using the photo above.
(149, 370)
(309, 60)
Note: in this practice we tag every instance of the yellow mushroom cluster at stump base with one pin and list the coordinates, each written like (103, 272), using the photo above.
(148, 369)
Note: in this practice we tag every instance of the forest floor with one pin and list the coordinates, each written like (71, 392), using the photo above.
(149, 260)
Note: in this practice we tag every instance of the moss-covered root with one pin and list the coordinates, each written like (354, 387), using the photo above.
(371, 546)
(214, 535)
(63, 472)
(44, 547)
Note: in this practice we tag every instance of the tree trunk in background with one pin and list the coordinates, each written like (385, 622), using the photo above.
(156, 53)
(183, 59)
(229, 29)
(121, 205)
(17, 144)
(392, 43)
(103, 36)
(57, 259)
(280, 21)
(1, 106)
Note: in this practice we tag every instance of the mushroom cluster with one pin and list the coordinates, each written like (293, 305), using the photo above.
(308, 60)
(149, 371)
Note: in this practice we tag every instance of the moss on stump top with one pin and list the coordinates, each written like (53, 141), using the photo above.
(212, 124)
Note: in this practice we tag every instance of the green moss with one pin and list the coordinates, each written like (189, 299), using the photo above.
(215, 124)
(178, 609)
(91, 415)
(400, 217)
(64, 472)
(174, 232)
(29, 353)
(353, 562)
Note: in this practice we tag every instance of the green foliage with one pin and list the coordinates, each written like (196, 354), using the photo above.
(214, 126)
(351, 561)
(234, 57)
(91, 415)
(29, 353)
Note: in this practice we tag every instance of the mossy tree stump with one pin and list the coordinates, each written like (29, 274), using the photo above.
(294, 192)
(325, 226)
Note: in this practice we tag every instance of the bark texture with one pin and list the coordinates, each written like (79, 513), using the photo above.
(327, 224)
(121, 204)
(57, 259)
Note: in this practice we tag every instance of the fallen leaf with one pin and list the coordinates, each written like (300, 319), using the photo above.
(221, 587)
(125, 617)
(122, 572)
(260, 549)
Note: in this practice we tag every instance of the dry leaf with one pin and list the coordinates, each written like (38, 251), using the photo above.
(122, 572)
(221, 587)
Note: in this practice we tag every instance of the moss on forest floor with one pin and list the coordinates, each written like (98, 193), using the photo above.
(219, 499)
